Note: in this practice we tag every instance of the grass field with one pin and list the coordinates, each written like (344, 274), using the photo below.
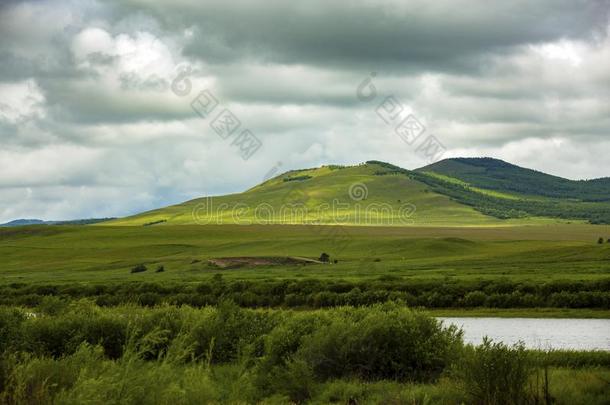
(96, 253)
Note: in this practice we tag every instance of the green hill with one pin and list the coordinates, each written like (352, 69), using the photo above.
(494, 174)
(322, 196)
(374, 193)
(503, 190)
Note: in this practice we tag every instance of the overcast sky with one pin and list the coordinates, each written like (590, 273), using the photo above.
(91, 126)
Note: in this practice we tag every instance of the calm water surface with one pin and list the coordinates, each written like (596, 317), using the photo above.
(538, 333)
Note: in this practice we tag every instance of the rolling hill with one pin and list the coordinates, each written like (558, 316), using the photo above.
(322, 196)
(453, 192)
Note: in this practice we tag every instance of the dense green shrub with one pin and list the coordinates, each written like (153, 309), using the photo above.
(314, 293)
(52, 305)
(149, 299)
(373, 343)
(58, 336)
(11, 320)
(221, 335)
(474, 299)
(495, 374)
(380, 343)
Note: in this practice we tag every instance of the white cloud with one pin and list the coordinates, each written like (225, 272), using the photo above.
(563, 51)
(21, 101)
(90, 127)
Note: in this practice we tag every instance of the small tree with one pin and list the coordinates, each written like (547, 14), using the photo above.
(600, 240)
(324, 257)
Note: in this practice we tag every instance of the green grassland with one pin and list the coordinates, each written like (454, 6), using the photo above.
(103, 253)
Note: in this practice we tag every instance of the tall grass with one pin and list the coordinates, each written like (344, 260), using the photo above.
(87, 377)
(495, 374)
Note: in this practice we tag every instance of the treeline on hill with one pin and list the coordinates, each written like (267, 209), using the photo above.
(80, 353)
(314, 293)
(504, 208)
(494, 174)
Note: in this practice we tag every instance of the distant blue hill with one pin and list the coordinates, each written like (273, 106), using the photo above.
(24, 222)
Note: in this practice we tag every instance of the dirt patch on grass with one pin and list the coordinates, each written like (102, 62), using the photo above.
(236, 262)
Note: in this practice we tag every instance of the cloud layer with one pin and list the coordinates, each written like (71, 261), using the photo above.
(91, 123)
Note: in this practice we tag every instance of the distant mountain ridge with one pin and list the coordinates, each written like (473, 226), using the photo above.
(25, 222)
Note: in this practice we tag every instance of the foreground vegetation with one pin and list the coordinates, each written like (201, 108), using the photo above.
(76, 352)
(146, 315)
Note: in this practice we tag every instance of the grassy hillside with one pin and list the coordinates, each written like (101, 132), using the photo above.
(367, 194)
(323, 196)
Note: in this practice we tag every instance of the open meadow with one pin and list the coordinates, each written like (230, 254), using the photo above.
(92, 254)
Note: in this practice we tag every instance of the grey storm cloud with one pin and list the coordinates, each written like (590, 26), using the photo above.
(394, 34)
(89, 125)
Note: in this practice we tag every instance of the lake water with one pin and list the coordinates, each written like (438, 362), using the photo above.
(538, 333)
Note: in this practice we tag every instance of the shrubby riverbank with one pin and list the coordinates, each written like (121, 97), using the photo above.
(73, 352)
(319, 293)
